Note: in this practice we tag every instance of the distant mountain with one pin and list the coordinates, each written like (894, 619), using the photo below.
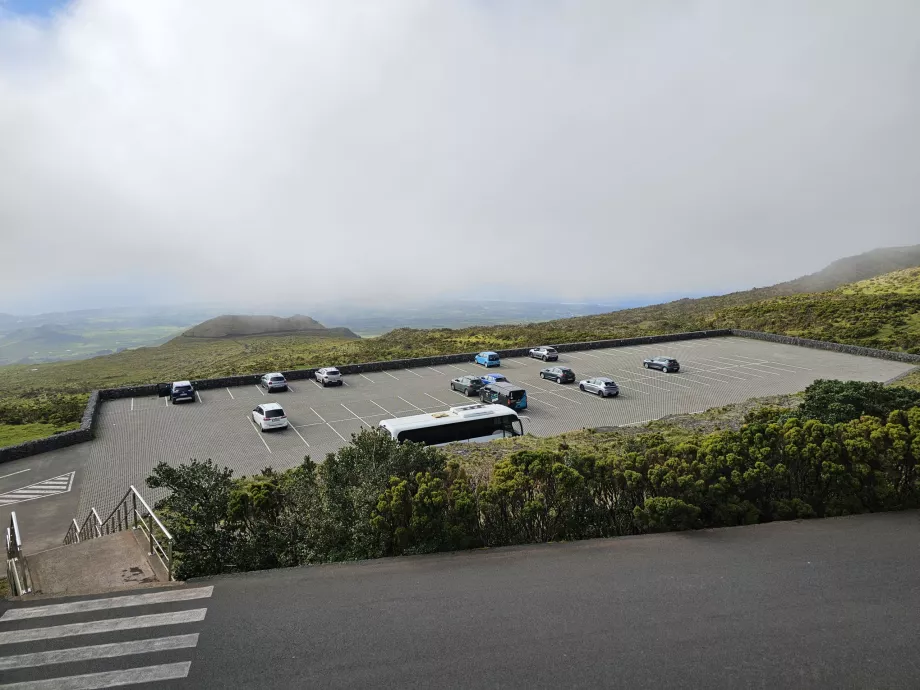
(36, 343)
(241, 326)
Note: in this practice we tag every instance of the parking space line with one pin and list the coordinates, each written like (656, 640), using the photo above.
(365, 377)
(231, 394)
(290, 388)
(679, 385)
(543, 402)
(712, 369)
(315, 383)
(458, 368)
(439, 401)
(543, 390)
(586, 354)
(436, 371)
(166, 400)
(685, 373)
(634, 390)
(412, 372)
(390, 375)
(199, 396)
(639, 383)
(462, 395)
(28, 469)
(259, 432)
(569, 354)
(132, 404)
(298, 433)
(360, 419)
(381, 407)
(329, 425)
(259, 389)
(410, 404)
(764, 363)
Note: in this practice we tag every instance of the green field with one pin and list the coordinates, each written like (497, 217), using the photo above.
(11, 434)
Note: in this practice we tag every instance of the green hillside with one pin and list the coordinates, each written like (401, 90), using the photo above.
(245, 326)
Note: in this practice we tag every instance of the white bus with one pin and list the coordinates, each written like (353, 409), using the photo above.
(464, 423)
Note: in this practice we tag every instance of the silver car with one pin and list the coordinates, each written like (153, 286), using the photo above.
(274, 382)
(545, 352)
(602, 386)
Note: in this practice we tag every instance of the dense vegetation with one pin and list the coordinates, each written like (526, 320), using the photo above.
(882, 312)
(375, 498)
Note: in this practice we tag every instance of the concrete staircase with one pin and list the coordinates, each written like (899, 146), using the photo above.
(129, 549)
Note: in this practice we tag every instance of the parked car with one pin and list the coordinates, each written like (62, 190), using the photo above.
(505, 394)
(182, 391)
(488, 359)
(545, 352)
(558, 374)
(601, 386)
(665, 364)
(329, 376)
(493, 378)
(269, 416)
(468, 385)
(274, 382)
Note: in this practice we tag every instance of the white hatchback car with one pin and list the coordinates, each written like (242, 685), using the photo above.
(270, 416)
(329, 376)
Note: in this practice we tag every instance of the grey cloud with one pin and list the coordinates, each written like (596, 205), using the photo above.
(382, 150)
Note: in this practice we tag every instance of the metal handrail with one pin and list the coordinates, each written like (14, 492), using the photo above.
(121, 519)
(15, 560)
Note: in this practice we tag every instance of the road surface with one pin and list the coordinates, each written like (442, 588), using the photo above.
(816, 604)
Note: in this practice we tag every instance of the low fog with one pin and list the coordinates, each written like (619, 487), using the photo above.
(579, 150)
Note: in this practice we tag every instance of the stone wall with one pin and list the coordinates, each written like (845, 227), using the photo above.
(824, 345)
(61, 440)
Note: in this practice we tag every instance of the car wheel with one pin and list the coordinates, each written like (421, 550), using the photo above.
(664, 370)
(542, 375)
(581, 388)
(600, 392)
(645, 364)
(543, 358)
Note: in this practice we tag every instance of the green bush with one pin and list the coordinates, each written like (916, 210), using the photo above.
(375, 497)
(840, 401)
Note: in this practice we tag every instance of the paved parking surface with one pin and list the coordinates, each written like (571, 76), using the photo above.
(135, 434)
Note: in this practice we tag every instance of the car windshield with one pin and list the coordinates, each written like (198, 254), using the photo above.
(274, 413)
(549, 350)
(332, 371)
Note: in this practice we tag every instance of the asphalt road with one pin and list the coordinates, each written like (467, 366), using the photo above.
(816, 604)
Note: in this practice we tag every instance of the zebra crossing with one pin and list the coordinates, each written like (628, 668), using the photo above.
(46, 646)
(49, 487)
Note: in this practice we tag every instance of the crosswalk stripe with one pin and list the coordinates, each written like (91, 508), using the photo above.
(111, 603)
(49, 487)
(107, 679)
(103, 626)
(99, 651)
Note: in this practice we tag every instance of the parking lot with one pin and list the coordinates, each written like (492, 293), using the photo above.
(135, 434)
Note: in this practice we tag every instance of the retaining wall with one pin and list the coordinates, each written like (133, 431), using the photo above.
(96, 398)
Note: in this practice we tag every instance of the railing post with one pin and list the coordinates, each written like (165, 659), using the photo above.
(126, 515)
(134, 507)
(169, 562)
(151, 534)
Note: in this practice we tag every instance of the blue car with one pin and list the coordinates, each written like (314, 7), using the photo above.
(488, 359)
(493, 378)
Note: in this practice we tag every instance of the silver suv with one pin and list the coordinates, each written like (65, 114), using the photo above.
(274, 382)
(329, 376)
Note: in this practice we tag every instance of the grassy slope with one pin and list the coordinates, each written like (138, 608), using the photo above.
(11, 434)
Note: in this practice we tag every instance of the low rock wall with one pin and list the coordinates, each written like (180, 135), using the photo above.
(825, 345)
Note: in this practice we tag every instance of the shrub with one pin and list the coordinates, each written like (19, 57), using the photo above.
(840, 401)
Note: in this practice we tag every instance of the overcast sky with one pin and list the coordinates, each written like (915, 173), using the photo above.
(167, 150)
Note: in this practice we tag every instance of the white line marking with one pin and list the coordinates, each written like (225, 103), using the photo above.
(231, 395)
(543, 390)
(259, 431)
(457, 368)
(381, 407)
(390, 375)
(358, 417)
(109, 679)
(19, 472)
(132, 404)
(412, 372)
(639, 383)
(408, 403)
(290, 388)
(436, 371)
(769, 361)
(199, 396)
(590, 355)
(105, 604)
(49, 487)
(653, 378)
(329, 425)
(313, 381)
(440, 401)
(364, 377)
(298, 433)
(259, 388)
(543, 402)
(166, 400)
(100, 651)
(569, 354)
(104, 626)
